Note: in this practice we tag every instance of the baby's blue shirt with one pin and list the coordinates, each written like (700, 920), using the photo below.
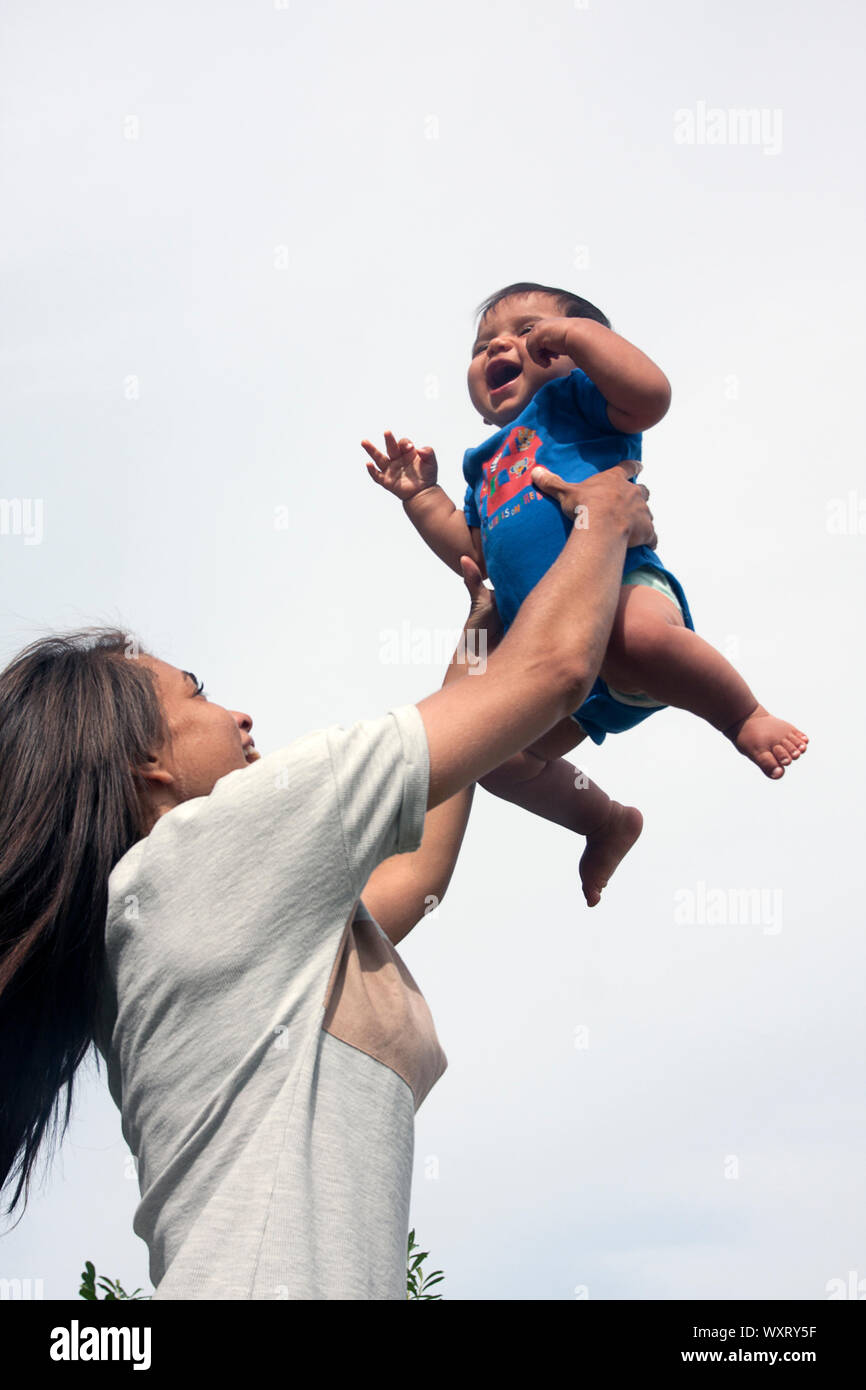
(565, 428)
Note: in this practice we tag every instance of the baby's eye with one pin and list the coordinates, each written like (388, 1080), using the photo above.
(479, 347)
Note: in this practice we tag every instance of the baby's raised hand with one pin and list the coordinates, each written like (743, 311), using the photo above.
(404, 470)
(548, 338)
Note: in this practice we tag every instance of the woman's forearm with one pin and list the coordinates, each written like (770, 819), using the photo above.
(407, 887)
(403, 890)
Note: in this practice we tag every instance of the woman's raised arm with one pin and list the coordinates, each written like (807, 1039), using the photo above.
(547, 663)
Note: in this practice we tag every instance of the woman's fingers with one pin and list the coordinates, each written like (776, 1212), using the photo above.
(481, 596)
(574, 498)
(631, 467)
(550, 483)
(483, 613)
(471, 576)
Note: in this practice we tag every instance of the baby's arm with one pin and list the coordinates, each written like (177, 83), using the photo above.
(637, 391)
(410, 474)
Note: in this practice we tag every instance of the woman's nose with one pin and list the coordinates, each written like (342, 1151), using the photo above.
(244, 721)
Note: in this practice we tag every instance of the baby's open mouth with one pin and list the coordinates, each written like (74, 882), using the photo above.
(500, 372)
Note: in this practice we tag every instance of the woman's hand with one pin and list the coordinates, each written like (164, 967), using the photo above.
(483, 612)
(610, 488)
(482, 630)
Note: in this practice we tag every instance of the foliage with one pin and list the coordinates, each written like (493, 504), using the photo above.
(417, 1282)
(112, 1289)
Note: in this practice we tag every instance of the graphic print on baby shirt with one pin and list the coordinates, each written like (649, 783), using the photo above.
(507, 474)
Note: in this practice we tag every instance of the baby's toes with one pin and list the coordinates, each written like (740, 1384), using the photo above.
(769, 764)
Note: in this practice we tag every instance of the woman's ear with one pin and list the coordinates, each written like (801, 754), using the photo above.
(155, 771)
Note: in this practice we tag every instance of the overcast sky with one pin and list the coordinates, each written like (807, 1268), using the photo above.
(238, 237)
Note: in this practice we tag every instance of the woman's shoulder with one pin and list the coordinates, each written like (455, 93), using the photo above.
(292, 803)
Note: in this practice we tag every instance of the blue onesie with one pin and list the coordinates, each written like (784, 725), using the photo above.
(565, 428)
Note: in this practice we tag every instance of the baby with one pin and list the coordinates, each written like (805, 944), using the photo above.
(568, 395)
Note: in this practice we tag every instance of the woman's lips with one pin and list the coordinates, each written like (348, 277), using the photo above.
(251, 755)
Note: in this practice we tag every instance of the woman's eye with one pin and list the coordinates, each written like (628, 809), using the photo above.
(199, 690)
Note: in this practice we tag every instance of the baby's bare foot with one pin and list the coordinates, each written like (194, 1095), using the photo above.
(606, 846)
(771, 743)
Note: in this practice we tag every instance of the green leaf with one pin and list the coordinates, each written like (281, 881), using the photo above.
(416, 1280)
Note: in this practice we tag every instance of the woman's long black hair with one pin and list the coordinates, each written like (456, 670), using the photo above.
(79, 715)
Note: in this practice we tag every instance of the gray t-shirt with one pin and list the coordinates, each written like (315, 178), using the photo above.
(266, 1045)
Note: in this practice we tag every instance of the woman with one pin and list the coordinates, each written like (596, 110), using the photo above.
(195, 912)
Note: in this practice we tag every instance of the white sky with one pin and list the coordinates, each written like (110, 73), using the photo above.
(199, 325)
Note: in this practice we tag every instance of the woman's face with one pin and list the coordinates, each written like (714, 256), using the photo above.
(207, 741)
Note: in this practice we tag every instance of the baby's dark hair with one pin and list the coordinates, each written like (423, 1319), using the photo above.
(572, 306)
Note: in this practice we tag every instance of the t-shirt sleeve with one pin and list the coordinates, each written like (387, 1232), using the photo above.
(381, 773)
(589, 401)
(470, 473)
(470, 509)
(321, 812)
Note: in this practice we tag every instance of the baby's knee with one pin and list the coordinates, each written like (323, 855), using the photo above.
(643, 640)
(523, 767)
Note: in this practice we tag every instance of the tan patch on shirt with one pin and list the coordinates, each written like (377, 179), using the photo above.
(373, 1003)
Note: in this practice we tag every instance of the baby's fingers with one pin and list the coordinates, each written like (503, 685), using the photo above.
(375, 454)
(395, 448)
(542, 355)
(377, 474)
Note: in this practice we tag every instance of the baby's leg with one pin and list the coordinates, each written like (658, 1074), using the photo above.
(651, 651)
(541, 781)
